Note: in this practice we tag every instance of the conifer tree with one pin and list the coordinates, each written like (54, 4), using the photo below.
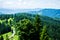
(37, 26)
(37, 22)
(44, 35)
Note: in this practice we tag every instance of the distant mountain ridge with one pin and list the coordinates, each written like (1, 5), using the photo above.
(51, 12)
(45, 12)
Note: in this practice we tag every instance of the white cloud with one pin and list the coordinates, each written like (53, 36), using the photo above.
(24, 3)
(7, 3)
(29, 4)
(19, 0)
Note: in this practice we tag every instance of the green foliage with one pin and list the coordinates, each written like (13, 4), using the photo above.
(1, 38)
(29, 31)
(24, 26)
(30, 27)
(7, 37)
(10, 21)
(4, 27)
(43, 34)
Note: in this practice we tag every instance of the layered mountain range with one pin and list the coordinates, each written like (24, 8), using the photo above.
(55, 13)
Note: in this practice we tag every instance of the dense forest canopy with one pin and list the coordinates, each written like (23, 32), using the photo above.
(29, 27)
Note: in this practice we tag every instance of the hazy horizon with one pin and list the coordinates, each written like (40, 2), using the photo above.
(29, 4)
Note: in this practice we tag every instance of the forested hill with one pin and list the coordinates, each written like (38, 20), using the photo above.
(19, 16)
(53, 25)
(45, 12)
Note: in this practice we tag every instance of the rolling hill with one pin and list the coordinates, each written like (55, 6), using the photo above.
(54, 13)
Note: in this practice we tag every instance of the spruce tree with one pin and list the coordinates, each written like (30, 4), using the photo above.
(37, 22)
(37, 26)
(44, 34)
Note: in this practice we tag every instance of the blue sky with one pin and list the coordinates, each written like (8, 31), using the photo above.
(16, 4)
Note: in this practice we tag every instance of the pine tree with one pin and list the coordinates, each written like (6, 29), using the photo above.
(37, 22)
(37, 26)
(44, 35)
